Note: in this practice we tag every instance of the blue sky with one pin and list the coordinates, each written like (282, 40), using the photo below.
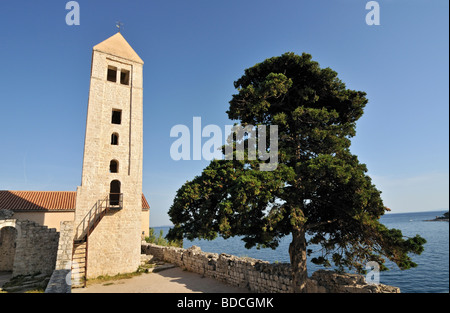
(193, 52)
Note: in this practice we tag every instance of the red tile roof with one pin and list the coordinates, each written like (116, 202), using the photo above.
(37, 200)
(145, 205)
(43, 200)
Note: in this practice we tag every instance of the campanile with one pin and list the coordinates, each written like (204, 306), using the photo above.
(109, 200)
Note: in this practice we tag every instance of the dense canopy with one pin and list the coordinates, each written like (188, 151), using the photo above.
(319, 187)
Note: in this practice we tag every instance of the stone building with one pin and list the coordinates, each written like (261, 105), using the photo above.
(50, 208)
(108, 213)
(112, 165)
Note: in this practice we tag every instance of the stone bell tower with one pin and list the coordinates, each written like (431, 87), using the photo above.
(107, 226)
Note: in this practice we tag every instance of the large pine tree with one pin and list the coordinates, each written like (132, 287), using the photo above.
(318, 188)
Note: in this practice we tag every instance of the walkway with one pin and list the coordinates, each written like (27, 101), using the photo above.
(173, 280)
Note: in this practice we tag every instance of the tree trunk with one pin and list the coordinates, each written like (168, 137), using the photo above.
(297, 253)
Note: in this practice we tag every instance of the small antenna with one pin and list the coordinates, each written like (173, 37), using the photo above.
(119, 25)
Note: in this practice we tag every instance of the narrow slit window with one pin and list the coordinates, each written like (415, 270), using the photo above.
(125, 77)
(112, 74)
(115, 139)
(114, 166)
(116, 117)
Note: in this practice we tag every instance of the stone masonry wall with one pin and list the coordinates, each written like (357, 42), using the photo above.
(59, 281)
(259, 276)
(256, 275)
(65, 246)
(35, 247)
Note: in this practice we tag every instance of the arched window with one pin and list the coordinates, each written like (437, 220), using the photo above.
(114, 193)
(115, 139)
(114, 166)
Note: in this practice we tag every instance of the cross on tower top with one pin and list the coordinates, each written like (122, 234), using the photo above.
(119, 25)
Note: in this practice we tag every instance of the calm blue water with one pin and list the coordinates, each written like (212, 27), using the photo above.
(430, 276)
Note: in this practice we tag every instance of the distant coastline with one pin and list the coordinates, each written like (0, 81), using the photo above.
(443, 218)
(162, 226)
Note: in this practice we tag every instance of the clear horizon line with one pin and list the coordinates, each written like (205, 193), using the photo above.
(440, 210)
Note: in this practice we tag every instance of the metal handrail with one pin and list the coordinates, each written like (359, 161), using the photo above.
(115, 200)
(99, 209)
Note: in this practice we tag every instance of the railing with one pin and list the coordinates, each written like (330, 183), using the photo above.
(114, 201)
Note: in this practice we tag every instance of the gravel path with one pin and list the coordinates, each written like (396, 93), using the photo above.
(173, 280)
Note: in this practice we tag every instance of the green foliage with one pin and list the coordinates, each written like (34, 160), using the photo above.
(319, 187)
(161, 241)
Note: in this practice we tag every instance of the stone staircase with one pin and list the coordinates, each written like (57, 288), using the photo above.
(113, 202)
(79, 265)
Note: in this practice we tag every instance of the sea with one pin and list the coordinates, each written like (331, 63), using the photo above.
(430, 276)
